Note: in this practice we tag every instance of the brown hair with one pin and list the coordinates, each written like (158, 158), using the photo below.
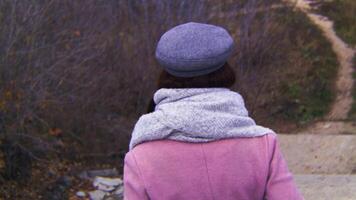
(223, 77)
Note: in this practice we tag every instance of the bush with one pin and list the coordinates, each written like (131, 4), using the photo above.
(87, 68)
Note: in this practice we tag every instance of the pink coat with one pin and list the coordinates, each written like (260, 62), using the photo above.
(239, 169)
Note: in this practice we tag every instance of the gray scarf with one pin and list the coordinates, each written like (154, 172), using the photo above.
(196, 115)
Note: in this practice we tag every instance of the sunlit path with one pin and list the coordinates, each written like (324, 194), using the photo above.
(323, 156)
(344, 82)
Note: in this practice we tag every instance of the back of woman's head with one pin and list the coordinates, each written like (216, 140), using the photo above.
(194, 55)
(223, 77)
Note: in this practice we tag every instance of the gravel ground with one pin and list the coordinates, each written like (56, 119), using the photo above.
(319, 154)
(327, 187)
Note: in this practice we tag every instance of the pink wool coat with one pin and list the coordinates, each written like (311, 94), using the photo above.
(239, 169)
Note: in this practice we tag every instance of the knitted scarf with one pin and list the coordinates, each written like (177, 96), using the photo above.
(196, 115)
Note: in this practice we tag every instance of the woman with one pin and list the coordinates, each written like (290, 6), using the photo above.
(197, 142)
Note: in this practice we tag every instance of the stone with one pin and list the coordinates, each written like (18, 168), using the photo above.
(91, 174)
(119, 192)
(113, 197)
(107, 184)
(80, 194)
(103, 172)
(97, 195)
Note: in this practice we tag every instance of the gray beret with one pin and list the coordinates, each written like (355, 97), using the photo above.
(194, 49)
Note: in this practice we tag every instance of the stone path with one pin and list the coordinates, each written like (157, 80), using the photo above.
(327, 187)
(320, 154)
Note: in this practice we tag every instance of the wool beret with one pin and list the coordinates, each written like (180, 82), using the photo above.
(194, 49)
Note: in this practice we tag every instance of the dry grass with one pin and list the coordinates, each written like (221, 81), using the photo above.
(342, 12)
(75, 76)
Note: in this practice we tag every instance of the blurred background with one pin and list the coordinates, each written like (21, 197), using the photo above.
(76, 75)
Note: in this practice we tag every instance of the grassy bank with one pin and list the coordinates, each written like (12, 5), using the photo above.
(342, 12)
(314, 89)
(297, 87)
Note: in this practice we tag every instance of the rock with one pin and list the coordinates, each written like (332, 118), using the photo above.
(91, 174)
(107, 184)
(113, 197)
(119, 192)
(97, 195)
(80, 194)
(103, 172)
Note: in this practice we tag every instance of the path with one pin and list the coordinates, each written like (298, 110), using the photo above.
(327, 187)
(336, 120)
(323, 156)
(344, 81)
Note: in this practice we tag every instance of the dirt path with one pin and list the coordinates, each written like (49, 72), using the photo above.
(335, 121)
(316, 156)
(342, 105)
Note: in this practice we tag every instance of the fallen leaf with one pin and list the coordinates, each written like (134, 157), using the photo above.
(55, 132)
